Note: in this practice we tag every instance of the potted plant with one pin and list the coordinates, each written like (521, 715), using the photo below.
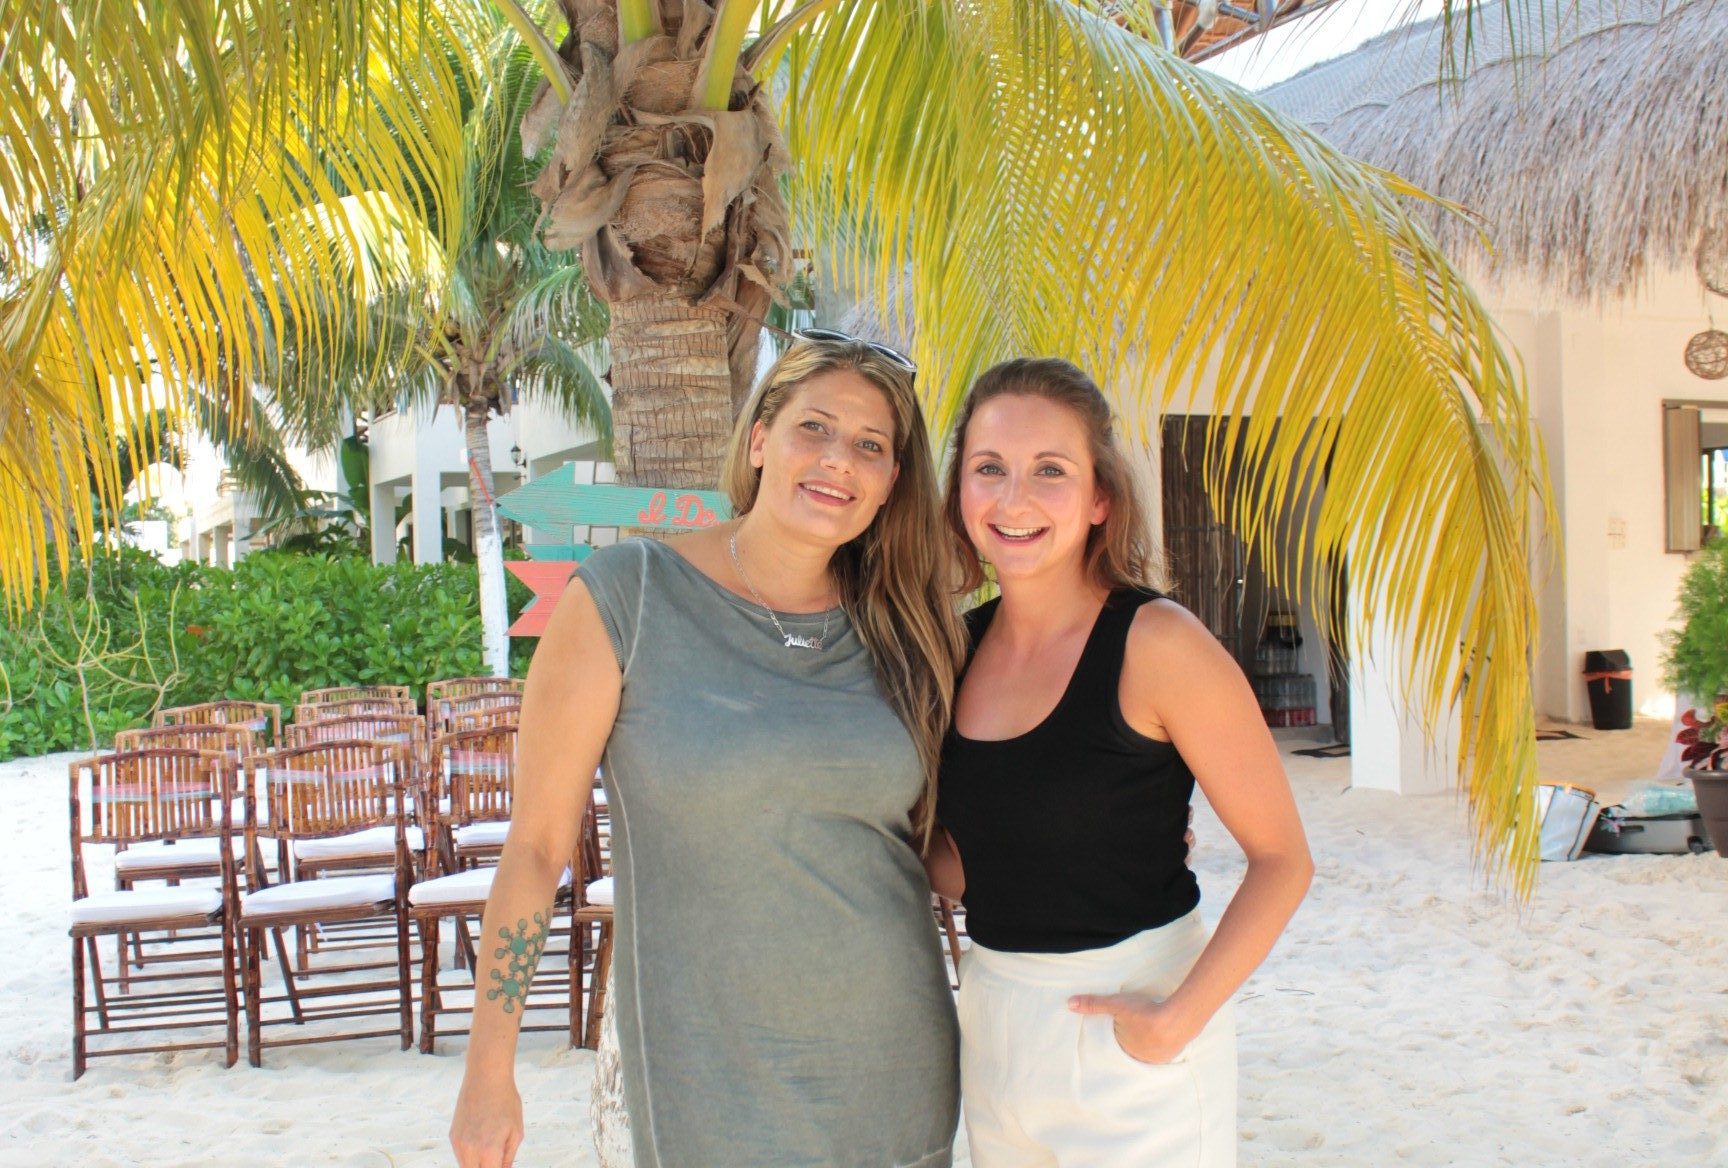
(1695, 666)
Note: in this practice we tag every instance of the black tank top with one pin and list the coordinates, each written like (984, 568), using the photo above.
(1072, 833)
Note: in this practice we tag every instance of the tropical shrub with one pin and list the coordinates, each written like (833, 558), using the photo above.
(123, 636)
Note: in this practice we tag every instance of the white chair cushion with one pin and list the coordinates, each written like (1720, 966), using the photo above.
(600, 891)
(146, 904)
(470, 887)
(374, 841)
(313, 895)
(482, 835)
(180, 854)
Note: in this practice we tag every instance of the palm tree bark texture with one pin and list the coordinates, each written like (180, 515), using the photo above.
(682, 226)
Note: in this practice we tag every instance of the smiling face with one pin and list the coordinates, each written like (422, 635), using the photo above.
(826, 457)
(1028, 494)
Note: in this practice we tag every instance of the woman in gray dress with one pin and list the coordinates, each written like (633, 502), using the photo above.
(767, 700)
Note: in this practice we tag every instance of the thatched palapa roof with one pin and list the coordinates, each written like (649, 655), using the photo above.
(1595, 151)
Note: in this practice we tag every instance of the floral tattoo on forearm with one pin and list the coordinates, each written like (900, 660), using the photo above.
(520, 953)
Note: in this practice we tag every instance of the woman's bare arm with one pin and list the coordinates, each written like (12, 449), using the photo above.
(942, 863)
(568, 709)
(1180, 684)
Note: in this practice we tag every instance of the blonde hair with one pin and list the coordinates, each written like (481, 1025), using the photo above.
(1119, 551)
(894, 579)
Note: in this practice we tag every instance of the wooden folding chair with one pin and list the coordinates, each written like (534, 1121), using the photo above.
(137, 799)
(472, 780)
(453, 688)
(501, 706)
(948, 924)
(592, 907)
(340, 693)
(262, 718)
(188, 856)
(352, 708)
(485, 718)
(475, 773)
(461, 687)
(319, 792)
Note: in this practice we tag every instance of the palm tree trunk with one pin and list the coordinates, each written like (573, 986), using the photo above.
(671, 415)
(488, 544)
(671, 392)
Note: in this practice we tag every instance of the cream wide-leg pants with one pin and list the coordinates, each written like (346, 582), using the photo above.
(1044, 1087)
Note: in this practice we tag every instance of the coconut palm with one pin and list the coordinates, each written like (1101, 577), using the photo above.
(1040, 176)
(1010, 175)
(494, 317)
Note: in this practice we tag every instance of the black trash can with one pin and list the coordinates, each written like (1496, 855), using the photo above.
(1608, 674)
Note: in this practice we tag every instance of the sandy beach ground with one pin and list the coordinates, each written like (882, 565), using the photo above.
(1411, 1016)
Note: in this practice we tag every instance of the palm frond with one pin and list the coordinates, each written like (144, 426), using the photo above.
(250, 444)
(154, 159)
(1056, 185)
(559, 374)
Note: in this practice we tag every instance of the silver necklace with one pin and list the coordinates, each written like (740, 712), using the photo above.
(793, 640)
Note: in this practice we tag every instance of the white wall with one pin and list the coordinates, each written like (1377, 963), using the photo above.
(1598, 378)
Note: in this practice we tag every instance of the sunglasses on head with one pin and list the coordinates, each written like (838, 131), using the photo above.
(822, 334)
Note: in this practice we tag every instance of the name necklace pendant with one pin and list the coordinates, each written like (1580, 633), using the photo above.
(792, 640)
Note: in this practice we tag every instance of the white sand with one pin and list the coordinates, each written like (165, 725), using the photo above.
(1410, 1016)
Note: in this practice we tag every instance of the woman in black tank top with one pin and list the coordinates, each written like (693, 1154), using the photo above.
(1094, 1011)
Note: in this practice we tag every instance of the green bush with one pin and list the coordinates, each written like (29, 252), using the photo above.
(124, 636)
(1696, 660)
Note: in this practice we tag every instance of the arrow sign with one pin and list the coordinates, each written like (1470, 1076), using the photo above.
(558, 500)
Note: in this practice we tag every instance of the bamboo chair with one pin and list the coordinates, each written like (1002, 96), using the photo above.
(461, 687)
(443, 718)
(307, 712)
(473, 778)
(592, 907)
(453, 688)
(477, 770)
(134, 799)
(485, 719)
(946, 922)
(316, 792)
(342, 693)
(186, 857)
(262, 718)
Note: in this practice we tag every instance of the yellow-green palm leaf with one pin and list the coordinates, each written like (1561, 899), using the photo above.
(1048, 182)
(158, 163)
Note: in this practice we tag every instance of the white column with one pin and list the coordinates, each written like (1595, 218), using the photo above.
(383, 523)
(424, 490)
(1389, 750)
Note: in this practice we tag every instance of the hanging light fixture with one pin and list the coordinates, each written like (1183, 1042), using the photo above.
(1707, 354)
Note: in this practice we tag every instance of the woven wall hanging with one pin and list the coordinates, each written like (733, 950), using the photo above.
(1707, 354)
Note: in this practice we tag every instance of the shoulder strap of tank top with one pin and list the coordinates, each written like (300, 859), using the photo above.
(1099, 671)
(977, 620)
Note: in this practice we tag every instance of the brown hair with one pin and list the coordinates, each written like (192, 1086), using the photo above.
(1119, 551)
(893, 578)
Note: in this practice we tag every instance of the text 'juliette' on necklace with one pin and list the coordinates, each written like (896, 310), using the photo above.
(792, 640)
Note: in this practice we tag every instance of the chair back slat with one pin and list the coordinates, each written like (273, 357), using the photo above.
(229, 739)
(398, 728)
(262, 718)
(477, 769)
(483, 719)
(330, 788)
(136, 796)
(342, 693)
(307, 712)
(502, 706)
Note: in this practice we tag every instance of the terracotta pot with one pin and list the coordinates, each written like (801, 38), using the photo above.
(1711, 788)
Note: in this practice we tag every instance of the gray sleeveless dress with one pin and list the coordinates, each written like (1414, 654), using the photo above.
(779, 989)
